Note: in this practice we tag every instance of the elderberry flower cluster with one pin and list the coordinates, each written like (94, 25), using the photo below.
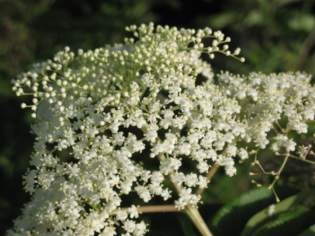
(128, 119)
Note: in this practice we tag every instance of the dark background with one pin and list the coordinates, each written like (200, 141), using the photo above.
(275, 35)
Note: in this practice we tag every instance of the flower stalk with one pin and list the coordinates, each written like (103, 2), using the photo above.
(212, 171)
(157, 209)
(196, 218)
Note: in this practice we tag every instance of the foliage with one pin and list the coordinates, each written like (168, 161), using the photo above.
(290, 216)
(237, 212)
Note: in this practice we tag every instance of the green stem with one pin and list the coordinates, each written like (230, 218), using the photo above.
(212, 171)
(157, 209)
(198, 221)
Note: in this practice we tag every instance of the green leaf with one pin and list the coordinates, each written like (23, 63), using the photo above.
(222, 184)
(236, 213)
(261, 216)
(289, 222)
(223, 19)
(309, 232)
(5, 88)
(302, 22)
(254, 18)
(186, 225)
(289, 217)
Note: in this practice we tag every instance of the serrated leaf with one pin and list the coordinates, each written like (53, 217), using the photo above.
(236, 213)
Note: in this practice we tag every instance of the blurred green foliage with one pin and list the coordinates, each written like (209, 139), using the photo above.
(254, 213)
(275, 35)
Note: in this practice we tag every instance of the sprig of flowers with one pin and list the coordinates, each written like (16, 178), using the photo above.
(131, 117)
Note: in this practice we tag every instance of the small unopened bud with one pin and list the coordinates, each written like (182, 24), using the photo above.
(23, 105)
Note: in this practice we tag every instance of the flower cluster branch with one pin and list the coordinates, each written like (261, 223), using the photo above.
(118, 122)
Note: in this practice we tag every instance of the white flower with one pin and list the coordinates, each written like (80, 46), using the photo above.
(243, 154)
(103, 113)
(282, 141)
(271, 210)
